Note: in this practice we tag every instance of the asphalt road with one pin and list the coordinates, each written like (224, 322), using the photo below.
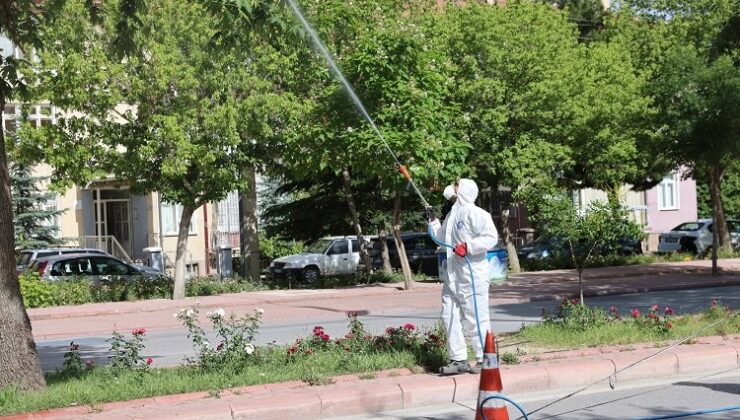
(171, 347)
(629, 402)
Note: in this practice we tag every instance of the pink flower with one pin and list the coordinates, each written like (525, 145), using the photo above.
(409, 327)
(574, 301)
(714, 303)
(318, 331)
(292, 350)
(352, 314)
(635, 313)
(390, 330)
(613, 309)
(90, 363)
(73, 346)
(654, 308)
(138, 331)
(668, 310)
(149, 361)
(325, 337)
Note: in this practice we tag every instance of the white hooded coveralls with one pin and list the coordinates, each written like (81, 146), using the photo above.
(469, 224)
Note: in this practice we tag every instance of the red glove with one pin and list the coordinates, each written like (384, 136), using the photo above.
(461, 249)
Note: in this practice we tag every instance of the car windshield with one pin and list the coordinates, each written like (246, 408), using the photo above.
(318, 247)
(688, 227)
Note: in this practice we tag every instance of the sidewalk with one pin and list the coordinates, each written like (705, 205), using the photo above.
(284, 305)
(400, 389)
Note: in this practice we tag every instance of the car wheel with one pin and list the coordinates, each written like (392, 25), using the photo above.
(310, 275)
(689, 247)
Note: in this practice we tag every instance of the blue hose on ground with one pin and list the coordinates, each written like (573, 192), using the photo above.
(693, 413)
(472, 283)
(501, 397)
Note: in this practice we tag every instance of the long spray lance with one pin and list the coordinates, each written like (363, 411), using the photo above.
(361, 109)
(351, 92)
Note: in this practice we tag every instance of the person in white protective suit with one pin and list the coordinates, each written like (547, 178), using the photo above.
(470, 230)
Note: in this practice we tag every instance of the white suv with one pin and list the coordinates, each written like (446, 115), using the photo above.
(695, 237)
(335, 255)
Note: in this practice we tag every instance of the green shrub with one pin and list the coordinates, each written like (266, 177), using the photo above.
(36, 293)
(75, 291)
(147, 288)
(572, 315)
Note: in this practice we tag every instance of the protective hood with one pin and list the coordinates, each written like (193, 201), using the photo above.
(467, 192)
(449, 192)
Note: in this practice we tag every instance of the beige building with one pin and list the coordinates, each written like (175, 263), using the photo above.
(106, 215)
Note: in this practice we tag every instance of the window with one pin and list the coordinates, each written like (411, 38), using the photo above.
(50, 205)
(339, 247)
(111, 267)
(171, 214)
(355, 245)
(37, 115)
(74, 267)
(668, 193)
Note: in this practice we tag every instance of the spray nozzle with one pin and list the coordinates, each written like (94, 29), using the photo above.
(405, 172)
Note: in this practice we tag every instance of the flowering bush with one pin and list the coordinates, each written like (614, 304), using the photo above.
(73, 363)
(717, 310)
(653, 321)
(126, 354)
(236, 338)
(428, 347)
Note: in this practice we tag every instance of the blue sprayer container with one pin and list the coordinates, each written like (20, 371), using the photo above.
(498, 259)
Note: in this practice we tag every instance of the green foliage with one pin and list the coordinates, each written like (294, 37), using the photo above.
(509, 358)
(273, 247)
(32, 224)
(36, 293)
(75, 291)
(657, 324)
(730, 194)
(572, 315)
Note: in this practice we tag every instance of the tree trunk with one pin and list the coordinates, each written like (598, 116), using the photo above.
(510, 247)
(384, 254)
(249, 244)
(19, 360)
(347, 185)
(405, 267)
(182, 248)
(580, 284)
(612, 198)
(718, 210)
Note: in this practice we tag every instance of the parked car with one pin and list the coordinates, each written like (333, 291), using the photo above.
(545, 247)
(695, 237)
(336, 255)
(421, 252)
(27, 257)
(96, 267)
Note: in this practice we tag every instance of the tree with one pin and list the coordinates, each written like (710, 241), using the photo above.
(585, 233)
(691, 51)
(31, 222)
(403, 78)
(20, 23)
(171, 117)
(514, 68)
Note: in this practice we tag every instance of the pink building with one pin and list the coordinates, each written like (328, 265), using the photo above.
(669, 204)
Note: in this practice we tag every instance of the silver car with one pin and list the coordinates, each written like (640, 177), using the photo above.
(28, 256)
(95, 267)
(695, 237)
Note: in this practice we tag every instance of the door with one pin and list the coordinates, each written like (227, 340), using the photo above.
(118, 223)
(110, 268)
(339, 258)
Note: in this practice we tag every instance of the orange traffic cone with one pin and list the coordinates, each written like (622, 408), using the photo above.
(490, 385)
